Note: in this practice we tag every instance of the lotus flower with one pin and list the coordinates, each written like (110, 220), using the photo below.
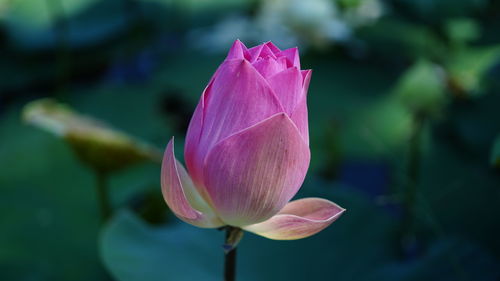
(247, 150)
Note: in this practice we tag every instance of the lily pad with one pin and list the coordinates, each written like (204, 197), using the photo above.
(133, 250)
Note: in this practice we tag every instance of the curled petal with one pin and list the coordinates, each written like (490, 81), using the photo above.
(252, 174)
(306, 75)
(298, 219)
(181, 195)
(192, 141)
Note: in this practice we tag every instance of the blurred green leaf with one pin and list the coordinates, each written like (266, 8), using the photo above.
(196, 5)
(462, 30)
(133, 250)
(467, 67)
(458, 259)
(437, 10)
(383, 128)
(422, 88)
(40, 15)
(393, 38)
(52, 24)
(457, 190)
(495, 153)
(47, 208)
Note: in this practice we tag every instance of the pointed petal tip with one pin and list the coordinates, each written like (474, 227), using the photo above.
(299, 219)
(237, 51)
(287, 85)
(238, 42)
(272, 47)
(267, 51)
(292, 55)
(293, 50)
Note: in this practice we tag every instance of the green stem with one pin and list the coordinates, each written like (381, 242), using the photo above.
(102, 195)
(413, 173)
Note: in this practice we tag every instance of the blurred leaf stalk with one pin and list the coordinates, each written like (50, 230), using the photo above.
(98, 146)
(425, 90)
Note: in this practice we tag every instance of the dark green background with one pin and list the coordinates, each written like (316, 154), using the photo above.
(141, 65)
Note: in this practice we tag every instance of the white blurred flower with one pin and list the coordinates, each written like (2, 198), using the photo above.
(315, 20)
(367, 12)
(291, 23)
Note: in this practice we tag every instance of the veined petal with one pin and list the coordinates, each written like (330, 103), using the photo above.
(298, 219)
(292, 55)
(299, 114)
(252, 174)
(181, 195)
(287, 85)
(238, 98)
(300, 118)
(268, 66)
(193, 139)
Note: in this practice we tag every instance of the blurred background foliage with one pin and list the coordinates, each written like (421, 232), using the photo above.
(404, 126)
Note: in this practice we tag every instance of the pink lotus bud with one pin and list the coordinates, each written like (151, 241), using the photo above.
(247, 150)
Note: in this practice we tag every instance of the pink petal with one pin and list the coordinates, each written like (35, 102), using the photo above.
(238, 98)
(193, 139)
(299, 117)
(292, 55)
(298, 219)
(237, 51)
(254, 52)
(181, 195)
(299, 114)
(267, 52)
(306, 75)
(273, 48)
(251, 175)
(268, 66)
(287, 85)
(260, 52)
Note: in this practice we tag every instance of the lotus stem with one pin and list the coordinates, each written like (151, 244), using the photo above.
(233, 236)
(410, 194)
